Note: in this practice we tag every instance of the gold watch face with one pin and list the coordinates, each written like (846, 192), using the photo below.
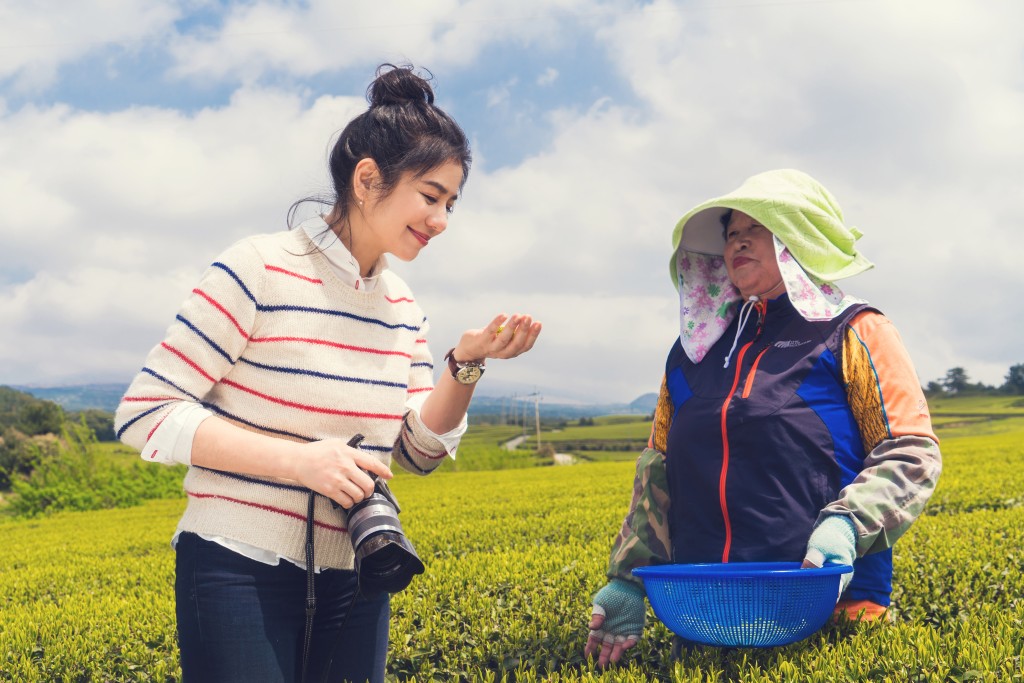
(469, 374)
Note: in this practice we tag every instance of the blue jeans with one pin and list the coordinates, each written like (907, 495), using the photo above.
(242, 621)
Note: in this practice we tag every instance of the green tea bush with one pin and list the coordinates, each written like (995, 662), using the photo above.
(513, 558)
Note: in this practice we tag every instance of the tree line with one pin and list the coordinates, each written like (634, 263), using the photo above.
(956, 382)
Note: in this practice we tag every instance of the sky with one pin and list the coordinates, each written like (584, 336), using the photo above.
(140, 138)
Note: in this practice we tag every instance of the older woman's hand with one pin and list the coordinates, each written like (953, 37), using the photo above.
(833, 541)
(617, 621)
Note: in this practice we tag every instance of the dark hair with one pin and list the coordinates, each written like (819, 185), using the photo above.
(402, 131)
(725, 218)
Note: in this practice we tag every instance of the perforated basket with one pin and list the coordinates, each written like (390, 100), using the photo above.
(742, 604)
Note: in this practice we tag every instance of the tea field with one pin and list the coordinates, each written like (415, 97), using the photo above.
(513, 557)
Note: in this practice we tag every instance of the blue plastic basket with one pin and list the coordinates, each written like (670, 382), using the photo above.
(742, 604)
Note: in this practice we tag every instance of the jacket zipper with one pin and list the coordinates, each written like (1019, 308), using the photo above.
(761, 309)
(749, 384)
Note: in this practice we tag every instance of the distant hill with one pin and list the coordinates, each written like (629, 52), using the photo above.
(644, 404)
(80, 397)
(107, 396)
(489, 405)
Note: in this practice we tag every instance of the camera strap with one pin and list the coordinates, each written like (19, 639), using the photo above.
(310, 588)
(310, 572)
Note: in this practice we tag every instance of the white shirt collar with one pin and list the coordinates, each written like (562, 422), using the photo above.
(342, 263)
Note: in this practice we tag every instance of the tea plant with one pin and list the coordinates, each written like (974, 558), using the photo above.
(513, 558)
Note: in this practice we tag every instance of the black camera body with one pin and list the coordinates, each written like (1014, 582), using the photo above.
(385, 560)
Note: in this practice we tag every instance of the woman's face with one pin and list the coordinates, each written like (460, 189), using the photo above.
(404, 221)
(750, 257)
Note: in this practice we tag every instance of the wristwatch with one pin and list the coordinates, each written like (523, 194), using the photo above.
(464, 372)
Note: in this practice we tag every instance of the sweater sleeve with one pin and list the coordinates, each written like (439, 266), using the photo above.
(205, 340)
(903, 460)
(417, 449)
(644, 537)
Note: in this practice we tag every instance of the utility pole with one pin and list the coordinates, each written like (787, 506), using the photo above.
(536, 413)
(522, 415)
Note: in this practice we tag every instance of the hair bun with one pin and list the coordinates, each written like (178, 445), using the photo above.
(396, 85)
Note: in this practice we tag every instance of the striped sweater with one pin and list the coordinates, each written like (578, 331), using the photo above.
(273, 342)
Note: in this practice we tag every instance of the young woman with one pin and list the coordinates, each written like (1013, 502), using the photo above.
(291, 344)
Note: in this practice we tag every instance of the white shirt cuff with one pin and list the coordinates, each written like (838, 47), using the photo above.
(450, 439)
(171, 443)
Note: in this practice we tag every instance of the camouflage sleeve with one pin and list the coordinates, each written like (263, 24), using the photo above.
(644, 539)
(903, 460)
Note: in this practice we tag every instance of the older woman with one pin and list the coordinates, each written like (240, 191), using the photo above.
(790, 425)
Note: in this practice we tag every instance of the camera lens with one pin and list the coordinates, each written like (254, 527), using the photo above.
(384, 558)
(387, 562)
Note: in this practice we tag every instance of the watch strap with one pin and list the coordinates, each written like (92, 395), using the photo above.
(455, 365)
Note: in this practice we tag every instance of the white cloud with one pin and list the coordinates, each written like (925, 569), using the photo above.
(909, 113)
(499, 95)
(323, 35)
(38, 36)
(916, 154)
(127, 204)
(549, 76)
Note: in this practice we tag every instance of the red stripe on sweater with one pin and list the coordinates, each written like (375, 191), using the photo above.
(421, 341)
(324, 342)
(189, 361)
(216, 304)
(315, 281)
(399, 300)
(268, 508)
(152, 431)
(420, 390)
(409, 442)
(309, 408)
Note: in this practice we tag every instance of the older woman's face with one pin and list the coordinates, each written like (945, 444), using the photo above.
(750, 258)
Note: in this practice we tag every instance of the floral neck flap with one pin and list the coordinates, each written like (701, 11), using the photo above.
(708, 299)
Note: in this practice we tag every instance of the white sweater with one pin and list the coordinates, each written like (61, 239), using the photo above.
(274, 342)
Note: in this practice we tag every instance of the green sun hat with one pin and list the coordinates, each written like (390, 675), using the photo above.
(795, 207)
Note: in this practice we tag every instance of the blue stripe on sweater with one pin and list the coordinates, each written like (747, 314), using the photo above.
(324, 375)
(138, 417)
(168, 382)
(340, 314)
(310, 309)
(405, 454)
(206, 339)
(262, 428)
(218, 264)
(424, 364)
(269, 430)
(254, 480)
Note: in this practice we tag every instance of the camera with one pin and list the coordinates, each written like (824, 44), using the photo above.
(384, 558)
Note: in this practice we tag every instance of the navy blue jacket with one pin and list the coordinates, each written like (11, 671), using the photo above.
(756, 450)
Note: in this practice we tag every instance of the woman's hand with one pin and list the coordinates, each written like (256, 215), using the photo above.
(504, 337)
(338, 471)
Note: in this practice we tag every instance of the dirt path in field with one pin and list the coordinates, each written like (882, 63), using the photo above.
(513, 444)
